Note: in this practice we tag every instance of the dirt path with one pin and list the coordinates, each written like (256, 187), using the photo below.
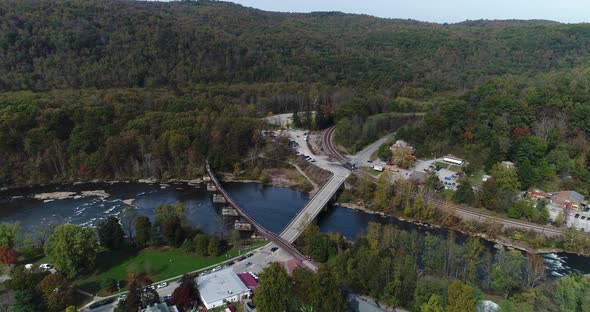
(316, 187)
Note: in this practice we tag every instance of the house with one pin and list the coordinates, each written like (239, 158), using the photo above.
(418, 177)
(401, 144)
(508, 164)
(568, 199)
(160, 307)
(453, 160)
(538, 195)
(218, 288)
(249, 280)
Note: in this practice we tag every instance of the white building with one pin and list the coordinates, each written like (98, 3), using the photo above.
(453, 160)
(160, 307)
(218, 288)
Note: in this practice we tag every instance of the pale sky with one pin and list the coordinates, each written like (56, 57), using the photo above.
(440, 11)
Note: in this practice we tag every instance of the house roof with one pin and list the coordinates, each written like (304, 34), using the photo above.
(418, 176)
(220, 285)
(157, 307)
(568, 197)
(248, 280)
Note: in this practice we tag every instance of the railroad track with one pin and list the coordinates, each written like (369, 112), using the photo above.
(329, 147)
(464, 213)
(279, 241)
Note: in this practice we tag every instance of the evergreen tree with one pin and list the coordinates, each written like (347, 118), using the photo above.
(275, 291)
(110, 233)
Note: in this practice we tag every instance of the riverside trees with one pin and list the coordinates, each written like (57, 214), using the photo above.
(403, 268)
(72, 249)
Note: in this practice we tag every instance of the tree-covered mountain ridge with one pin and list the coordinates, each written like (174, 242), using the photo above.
(111, 44)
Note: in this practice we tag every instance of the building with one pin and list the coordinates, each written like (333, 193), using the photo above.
(418, 177)
(538, 195)
(249, 280)
(508, 164)
(401, 144)
(160, 307)
(221, 287)
(568, 199)
(453, 160)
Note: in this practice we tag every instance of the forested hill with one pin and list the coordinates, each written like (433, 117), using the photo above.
(106, 44)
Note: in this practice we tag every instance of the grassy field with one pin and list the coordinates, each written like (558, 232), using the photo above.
(441, 164)
(159, 264)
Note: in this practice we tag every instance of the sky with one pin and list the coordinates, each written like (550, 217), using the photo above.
(439, 11)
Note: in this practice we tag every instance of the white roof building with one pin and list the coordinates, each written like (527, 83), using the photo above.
(160, 307)
(221, 287)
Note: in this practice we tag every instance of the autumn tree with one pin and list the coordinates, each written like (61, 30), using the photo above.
(8, 255)
(185, 294)
(461, 298)
(57, 292)
(434, 304)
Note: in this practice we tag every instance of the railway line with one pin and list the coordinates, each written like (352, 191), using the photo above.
(276, 239)
(462, 211)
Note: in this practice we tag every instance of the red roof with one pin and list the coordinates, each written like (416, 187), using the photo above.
(248, 280)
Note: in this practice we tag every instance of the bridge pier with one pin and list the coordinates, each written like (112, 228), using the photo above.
(219, 199)
(229, 211)
(211, 187)
(242, 226)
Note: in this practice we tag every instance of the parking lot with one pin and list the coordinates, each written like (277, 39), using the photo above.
(447, 177)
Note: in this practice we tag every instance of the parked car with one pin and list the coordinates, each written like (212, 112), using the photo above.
(248, 264)
(167, 297)
(162, 285)
(249, 255)
(370, 161)
(230, 263)
(45, 266)
(241, 258)
(274, 249)
(217, 268)
(121, 298)
(230, 309)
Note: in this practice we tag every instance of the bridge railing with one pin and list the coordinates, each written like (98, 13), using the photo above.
(302, 211)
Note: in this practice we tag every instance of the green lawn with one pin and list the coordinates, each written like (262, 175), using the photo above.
(159, 264)
(441, 164)
(454, 168)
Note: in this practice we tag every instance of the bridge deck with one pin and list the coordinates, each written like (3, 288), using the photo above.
(312, 208)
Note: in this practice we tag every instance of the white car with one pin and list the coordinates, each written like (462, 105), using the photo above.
(45, 266)
(122, 297)
(162, 285)
(217, 268)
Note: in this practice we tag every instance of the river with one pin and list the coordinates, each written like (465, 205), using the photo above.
(273, 207)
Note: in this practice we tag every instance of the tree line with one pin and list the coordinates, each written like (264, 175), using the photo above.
(424, 273)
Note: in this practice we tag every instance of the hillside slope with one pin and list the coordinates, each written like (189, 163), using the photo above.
(104, 44)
